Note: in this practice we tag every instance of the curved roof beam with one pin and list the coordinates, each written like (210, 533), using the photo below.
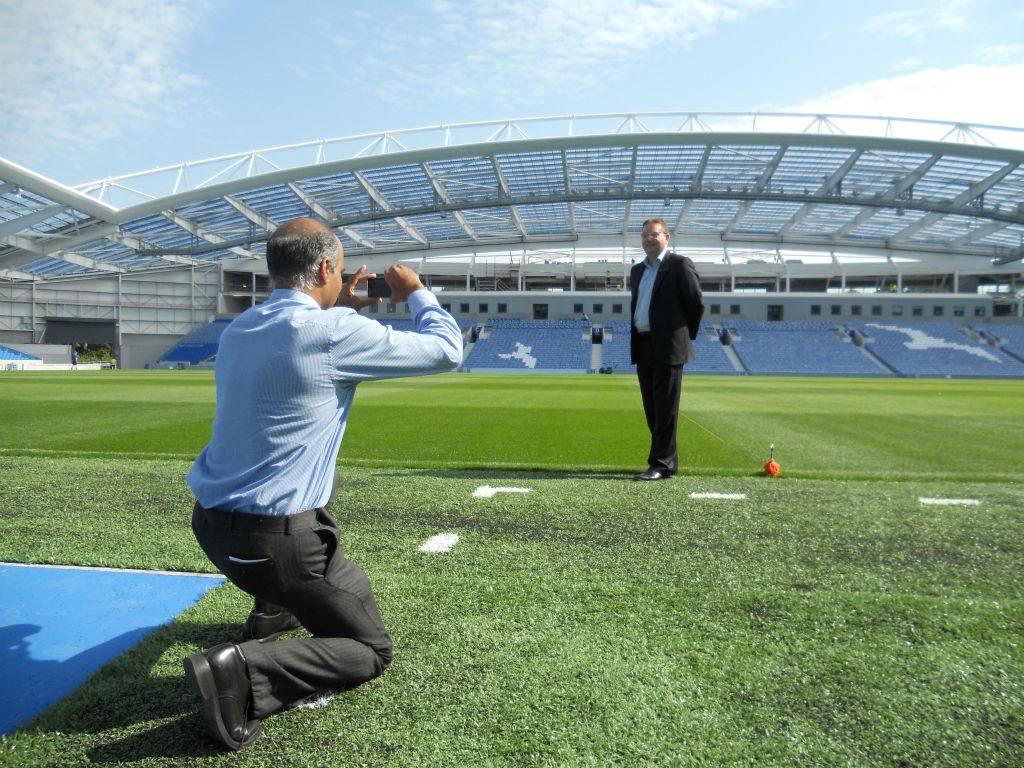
(379, 199)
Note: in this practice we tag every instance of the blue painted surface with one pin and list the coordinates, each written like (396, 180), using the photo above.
(59, 625)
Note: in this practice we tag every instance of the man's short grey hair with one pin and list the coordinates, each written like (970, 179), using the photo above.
(294, 260)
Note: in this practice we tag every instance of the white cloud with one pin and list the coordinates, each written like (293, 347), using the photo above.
(969, 94)
(994, 53)
(80, 72)
(946, 14)
(515, 50)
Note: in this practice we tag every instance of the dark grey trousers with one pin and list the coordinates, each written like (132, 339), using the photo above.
(297, 562)
(660, 386)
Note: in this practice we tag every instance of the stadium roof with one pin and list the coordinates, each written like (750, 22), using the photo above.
(738, 189)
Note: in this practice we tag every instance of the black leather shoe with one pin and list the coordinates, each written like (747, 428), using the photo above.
(266, 626)
(220, 679)
(651, 474)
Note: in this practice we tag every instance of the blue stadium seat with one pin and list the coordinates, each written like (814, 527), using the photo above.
(6, 353)
(935, 349)
(801, 348)
(1009, 335)
(198, 346)
(710, 357)
(513, 344)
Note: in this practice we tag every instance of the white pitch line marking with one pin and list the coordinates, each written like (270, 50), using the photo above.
(486, 491)
(950, 502)
(729, 496)
(441, 542)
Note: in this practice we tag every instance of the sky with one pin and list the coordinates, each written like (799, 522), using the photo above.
(99, 88)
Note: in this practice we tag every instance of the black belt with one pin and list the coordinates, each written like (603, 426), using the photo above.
(242, 521)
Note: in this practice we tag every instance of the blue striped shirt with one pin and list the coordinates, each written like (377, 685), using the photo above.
(286, 373)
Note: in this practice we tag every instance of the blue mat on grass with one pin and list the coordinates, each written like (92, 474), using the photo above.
(59, 625)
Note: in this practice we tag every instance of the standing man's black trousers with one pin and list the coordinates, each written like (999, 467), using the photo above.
(660, 385)
(297, 562)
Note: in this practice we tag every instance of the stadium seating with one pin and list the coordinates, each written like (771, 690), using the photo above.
(803, 348)
(6, 353)
(710, 356)
(615, 347)
(1009, 335)
(543, 345)
(810, 347)
(198, 346)
(935, 349)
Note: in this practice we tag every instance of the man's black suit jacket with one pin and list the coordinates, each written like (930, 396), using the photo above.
(677, 305)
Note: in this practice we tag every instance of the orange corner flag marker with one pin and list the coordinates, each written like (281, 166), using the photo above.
(771, 467)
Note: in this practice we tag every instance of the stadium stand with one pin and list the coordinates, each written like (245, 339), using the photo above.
(1010, 337)
(540, 345)
(615, 347)
(197, 347)
(936, 349)
(802, 348)
(6, 353)
(711, 357)
(807, 348)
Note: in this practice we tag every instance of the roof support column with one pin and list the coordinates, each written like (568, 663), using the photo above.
(572, 272)
(120, 303)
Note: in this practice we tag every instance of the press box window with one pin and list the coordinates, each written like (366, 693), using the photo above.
(502, 309)
(464, 309)
(616, 309)
(716, 309)
(836, 309)
(734, 309)
(815, 309)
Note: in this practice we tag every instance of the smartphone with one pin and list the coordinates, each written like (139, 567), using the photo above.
(378, 288)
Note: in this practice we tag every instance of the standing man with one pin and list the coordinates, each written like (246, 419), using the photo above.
(666, 306)
(286, 373)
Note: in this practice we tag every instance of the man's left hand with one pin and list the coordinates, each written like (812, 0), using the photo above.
(349, 298)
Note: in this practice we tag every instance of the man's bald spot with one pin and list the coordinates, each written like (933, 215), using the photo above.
(301, 226)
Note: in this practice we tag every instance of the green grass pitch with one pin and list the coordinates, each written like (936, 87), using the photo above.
(830, 617)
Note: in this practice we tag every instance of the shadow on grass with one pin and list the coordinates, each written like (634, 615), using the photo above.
(140, 705)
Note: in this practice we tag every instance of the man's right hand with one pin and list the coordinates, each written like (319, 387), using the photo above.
(403, 282)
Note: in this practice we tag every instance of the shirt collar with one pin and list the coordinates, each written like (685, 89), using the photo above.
(660, 257)
(292, 294)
